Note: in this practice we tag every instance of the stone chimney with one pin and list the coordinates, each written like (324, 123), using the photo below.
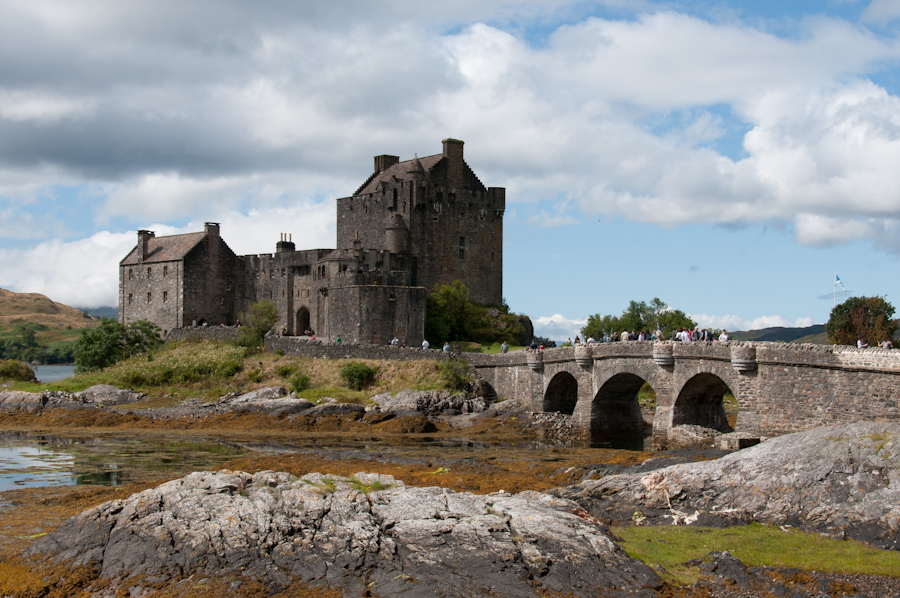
(383, 162)
(211, 229)
(456, 167)
(285, 245)
(144, 237)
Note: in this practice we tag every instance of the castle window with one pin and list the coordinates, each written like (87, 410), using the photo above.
(165, 296)
(149, 297)
(394, 200)
(462, 248)
(165, 271)
(130, 274)
(271, 274)
(148, 271)
(130, 298)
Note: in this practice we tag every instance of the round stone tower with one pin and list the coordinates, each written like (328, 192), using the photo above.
(397, 235)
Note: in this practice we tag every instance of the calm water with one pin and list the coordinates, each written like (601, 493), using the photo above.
(52, 373)
(28, 461)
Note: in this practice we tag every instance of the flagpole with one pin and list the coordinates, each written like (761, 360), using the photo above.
(835, 289)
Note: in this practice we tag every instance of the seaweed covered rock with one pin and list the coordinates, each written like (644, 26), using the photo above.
(841, 480)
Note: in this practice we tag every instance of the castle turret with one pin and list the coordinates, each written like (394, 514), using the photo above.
(397, 235)
(417, 171)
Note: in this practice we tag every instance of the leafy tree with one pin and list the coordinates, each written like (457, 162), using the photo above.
(866, 318)
(450, 312)
(452, 315)
(639, 315)
(256, 322)
(111, 342)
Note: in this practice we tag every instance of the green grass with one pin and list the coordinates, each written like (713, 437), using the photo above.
(755, 545)
(495, 348)
(367, 488)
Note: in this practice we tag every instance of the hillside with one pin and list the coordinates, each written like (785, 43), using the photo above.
(56, 321)
(809, 334)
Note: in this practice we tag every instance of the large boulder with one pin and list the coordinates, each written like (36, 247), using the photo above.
(18, 400)
(272, 401)
(106, 394)
(430, 402)
(841, 480)
(368, 534)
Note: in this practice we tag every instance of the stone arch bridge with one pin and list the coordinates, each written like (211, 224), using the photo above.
(780, 388)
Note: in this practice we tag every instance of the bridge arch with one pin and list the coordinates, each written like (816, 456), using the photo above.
(616, 411)
(561, 395)
(700, 402)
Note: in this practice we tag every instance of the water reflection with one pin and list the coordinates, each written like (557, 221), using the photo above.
(28, 461)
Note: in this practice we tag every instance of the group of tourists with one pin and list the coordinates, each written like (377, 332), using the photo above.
(426, 345)
(685, 335)
(885, 344)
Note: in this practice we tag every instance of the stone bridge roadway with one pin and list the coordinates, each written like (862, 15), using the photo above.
(780, 388)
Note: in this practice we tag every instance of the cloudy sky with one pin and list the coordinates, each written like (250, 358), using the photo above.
(727, 157)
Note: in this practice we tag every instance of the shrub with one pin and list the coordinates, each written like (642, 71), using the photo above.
(255, 376)
(299, 382)
(284, 371)
(454, 373)
(256, 322)
(357, 375)
(16, 370)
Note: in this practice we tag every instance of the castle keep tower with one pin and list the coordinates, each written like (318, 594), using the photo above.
(454, 222)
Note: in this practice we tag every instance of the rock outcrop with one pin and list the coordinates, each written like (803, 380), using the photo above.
(841, 480)
(430, 402)
(364, 534)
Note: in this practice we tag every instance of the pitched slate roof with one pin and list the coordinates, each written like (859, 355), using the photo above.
(165, 249)
(401, 171)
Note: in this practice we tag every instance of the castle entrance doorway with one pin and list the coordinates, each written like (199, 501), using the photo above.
(302, 321)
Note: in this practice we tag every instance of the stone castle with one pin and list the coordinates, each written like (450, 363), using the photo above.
(410, 226)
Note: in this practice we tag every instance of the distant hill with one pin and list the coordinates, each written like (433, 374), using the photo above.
(33, 308)
(101, 312)
(810, 334)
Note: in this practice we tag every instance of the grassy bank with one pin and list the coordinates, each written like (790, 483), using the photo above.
(671, 547)
(210, 369)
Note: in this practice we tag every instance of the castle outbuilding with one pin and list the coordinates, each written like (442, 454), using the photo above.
(409, 226)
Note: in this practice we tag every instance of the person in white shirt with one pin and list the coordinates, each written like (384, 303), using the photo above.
(724, 336)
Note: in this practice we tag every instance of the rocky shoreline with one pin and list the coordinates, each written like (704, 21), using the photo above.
(369, 534)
